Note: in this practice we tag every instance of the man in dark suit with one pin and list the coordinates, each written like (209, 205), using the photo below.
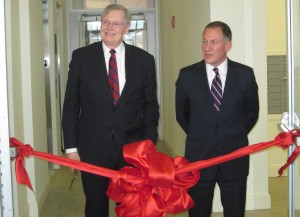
(99, 118)
(217, 118)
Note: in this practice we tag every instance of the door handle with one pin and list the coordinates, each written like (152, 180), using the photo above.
(285, 125)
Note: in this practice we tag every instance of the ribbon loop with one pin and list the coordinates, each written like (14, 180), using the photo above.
(161, 170)
(155, 190)
(22, 151)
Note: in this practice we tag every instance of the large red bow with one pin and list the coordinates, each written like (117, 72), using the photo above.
(153, 189)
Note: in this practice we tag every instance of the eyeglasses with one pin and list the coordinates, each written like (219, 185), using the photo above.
(115, 25)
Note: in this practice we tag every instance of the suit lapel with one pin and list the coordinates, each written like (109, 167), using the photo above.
(231, 79)
(129, 71)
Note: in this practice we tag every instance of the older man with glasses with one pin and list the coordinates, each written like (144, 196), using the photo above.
(110, 101)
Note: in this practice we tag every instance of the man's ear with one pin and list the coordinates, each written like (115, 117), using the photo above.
(228, 46)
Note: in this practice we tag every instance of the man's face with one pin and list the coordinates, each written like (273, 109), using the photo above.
(113, 28)
(214, 46)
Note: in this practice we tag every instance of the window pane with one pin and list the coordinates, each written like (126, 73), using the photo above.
(86, 4)
(96, 3)
(92, 4)
(137, 3)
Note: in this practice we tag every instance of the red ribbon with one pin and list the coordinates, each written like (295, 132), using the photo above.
(284, 140)
(21, 173)
(157, 184)
(290, 160)
(26, 151)
(154, 189)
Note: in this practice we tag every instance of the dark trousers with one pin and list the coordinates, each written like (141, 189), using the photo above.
(233, 197)
(95, 187)
(96, 203)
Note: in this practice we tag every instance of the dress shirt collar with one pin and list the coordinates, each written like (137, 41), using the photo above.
(223, 67)
(119, 50)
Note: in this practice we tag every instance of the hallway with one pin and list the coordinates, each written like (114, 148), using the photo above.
(70, 203)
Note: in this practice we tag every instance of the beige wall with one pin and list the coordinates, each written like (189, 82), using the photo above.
(276, 27)
(276, 45)
(180, 46)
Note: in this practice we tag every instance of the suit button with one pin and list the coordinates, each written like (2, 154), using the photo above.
(114, 110)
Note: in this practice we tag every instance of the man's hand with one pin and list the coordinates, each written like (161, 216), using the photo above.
(73, 156)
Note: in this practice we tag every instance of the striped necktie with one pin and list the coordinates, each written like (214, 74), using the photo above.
(113, 76)
(216, 90)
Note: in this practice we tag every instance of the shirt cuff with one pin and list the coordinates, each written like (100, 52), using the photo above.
(70, 150)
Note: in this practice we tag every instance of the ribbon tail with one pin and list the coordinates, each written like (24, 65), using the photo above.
(21, 174)
(290, 160)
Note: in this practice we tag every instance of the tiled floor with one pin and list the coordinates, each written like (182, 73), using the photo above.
(62, 202)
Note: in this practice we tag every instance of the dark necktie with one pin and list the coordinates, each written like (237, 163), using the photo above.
(216, 90)
(113, 76)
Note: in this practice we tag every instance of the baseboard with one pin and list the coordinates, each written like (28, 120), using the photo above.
(33, 208)
(297, 201)
(43, 195)
(258, 201)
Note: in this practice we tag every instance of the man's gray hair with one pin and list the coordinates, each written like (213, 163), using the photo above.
(120, 7)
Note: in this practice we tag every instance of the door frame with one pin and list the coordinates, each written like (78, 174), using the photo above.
(6, 201)
(292, 123)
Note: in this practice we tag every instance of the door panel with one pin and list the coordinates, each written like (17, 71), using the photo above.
(293, 54)
(6, 201)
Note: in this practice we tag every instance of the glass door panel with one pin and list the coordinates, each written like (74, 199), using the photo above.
(293, 53)
(137, 3)
(296, 98)
(88, 4)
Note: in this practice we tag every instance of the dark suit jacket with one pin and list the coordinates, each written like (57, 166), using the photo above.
(90, 119)
(211, 134)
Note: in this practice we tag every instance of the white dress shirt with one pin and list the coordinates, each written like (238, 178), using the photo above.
(222, 68)
(120, 56)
